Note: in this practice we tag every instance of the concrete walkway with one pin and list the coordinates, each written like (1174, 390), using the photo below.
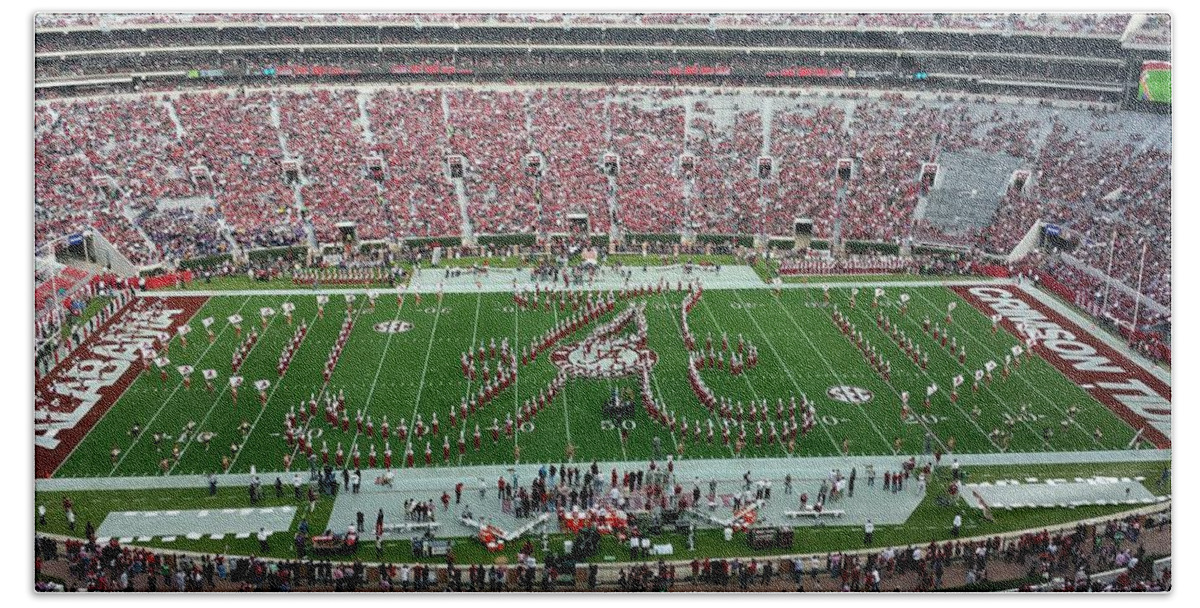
(686, 470)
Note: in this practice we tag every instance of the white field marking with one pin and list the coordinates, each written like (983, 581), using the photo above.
(146, 430)
(707, 309)
(263, 408)
(999, 402)
(321, 392)
(954, 361)
(654, 381)
(382, 359)
(420, 387)
(956, 406)
(674, 321)
(474, 334)
(225, 388)
(1035, 388)
(517, 380)
(566, 409)
(829, 366)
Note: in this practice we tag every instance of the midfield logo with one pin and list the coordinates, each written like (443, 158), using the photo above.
(849, 394)
(393, 327)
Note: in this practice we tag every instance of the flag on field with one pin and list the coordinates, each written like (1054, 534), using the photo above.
(350, 298)
(951, 306)
(184, 330)
(210, 374)
(206, 321)
(978, 374)
(162, 361)
(878, 291)
(235, 319)
(931, 389)
(322, 299)
(957, 381)
(288, 307)
(266, 311)
(235, 381)
(903, 298)
(262, 385)
(1016, 351)
(990, 365)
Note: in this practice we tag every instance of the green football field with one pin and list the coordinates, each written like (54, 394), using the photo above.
(399, 375)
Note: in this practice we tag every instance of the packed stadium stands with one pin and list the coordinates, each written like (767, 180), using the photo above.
(1085, 178)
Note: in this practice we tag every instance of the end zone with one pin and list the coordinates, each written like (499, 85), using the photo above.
(1125, 388)
(76, 394)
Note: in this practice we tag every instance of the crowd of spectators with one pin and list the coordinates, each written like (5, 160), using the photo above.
(488, 128)
(649, 142)
(411, 137)
(101, 161)
(1094, 189)
(234, 137)
(183, 233)
(1045, 23)
(1113, 555)
(566, 128)
(322, 128)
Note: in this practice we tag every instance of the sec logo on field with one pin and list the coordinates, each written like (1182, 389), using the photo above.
(393, 327)
(849, 394)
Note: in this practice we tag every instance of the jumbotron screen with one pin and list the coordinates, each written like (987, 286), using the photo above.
(1155, 82)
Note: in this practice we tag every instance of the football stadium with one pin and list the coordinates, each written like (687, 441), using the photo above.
(596, 302)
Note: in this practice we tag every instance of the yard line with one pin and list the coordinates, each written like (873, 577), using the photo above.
(474, 334)
(262, 410)
(566, 409)
(837, 377)
(225, 388)
(707, 309)
(517, 383)
(1046, 445)
(1032, 385)
(956, 406)
(169, 397)
(383, 358)
(654, 381)
(674, 321)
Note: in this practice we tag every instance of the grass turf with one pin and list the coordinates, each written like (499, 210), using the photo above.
(417, 371)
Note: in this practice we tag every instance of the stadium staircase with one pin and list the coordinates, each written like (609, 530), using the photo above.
(170, 107)
(111, 258)
(460, 192)
(131, 214)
